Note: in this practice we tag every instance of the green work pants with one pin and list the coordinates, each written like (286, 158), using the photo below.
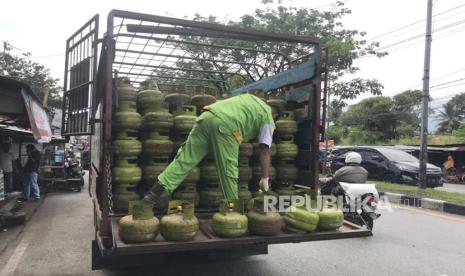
(209, 135)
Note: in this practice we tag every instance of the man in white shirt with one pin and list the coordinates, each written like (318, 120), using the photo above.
(219, 131)
(6, 164)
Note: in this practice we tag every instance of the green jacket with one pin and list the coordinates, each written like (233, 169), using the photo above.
(245, 114)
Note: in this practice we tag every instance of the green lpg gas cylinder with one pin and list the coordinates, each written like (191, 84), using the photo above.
(330, 219)
(179, 224)
(185, 118)
(300, 220)
(149, 98)
(230, 222)
(126, 172)
(263, 223)
(157, 145)
(211, 196)
(286, 126)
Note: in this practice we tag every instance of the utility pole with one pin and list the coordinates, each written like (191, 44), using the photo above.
(425, 102)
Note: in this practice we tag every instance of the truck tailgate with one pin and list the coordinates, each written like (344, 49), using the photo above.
(206, 240)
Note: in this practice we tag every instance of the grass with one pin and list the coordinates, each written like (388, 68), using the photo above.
(417, 192)
(433, 140)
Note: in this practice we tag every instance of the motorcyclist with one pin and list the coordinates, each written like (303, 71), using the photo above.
(352, 172)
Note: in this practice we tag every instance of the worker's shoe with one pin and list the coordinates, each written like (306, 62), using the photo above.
(153, 194)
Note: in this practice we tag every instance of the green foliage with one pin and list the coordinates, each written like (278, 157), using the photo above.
(381, 119)
(452, 115)
(433, 140)
(345, 45)
(371, 116)
(336, 133)
(32, 73)
(460, 132)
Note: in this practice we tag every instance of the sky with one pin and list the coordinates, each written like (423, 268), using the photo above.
(42, 27)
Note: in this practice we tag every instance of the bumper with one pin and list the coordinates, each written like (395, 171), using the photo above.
(432, 180)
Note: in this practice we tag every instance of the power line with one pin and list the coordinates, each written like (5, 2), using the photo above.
(445, 87)
(330, 4)
(445, 83)
(413, 23)
(54, 55)
(421, 35)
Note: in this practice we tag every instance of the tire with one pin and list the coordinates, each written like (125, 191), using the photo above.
(370, 223)
(389, 178)
(13, 218)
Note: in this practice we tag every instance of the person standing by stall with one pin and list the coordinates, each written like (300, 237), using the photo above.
(31, 173)
(6, 164)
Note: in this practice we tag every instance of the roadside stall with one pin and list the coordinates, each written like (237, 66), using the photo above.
(23, 121)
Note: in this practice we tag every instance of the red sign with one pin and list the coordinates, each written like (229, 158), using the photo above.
(330, 144)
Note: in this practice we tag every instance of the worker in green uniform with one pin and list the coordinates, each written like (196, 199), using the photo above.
(219, 130)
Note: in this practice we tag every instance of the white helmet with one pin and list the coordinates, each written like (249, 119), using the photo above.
(353, 157)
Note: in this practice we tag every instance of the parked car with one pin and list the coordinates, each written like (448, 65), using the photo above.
(388, 164)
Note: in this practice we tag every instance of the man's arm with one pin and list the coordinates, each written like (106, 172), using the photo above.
(265, 140)
(265, 156)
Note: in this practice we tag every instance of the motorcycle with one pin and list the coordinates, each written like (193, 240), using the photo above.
(360, 202)
(453, 175)
(74, 170)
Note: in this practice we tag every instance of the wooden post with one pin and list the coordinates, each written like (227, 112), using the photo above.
(46, 91)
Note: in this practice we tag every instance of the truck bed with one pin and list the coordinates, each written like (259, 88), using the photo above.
(206, 240)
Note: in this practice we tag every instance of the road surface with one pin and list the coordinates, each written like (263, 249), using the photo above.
(449, 187)
(406, 242)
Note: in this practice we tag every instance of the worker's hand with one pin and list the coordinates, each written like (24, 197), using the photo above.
(264, 186)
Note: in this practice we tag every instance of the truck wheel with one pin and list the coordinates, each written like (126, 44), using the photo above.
(370, 224)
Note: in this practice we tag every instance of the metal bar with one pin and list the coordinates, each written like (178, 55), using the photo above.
(192, 58)
(189, 32)
(215, 27)
(129, 44)
(169, 77)
(180, 69)
(145, 46)
(78, 43)
(95, 78)
(65, 83)
(315, 121)
(105, 228)
(325, 95)
(205, 44)
(82, 28)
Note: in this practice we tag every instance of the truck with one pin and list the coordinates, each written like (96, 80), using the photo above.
(140, 46)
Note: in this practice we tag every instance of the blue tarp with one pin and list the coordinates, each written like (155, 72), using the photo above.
(296, 74)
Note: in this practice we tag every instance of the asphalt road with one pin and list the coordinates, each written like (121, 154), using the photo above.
(406, 242)
(449, 187)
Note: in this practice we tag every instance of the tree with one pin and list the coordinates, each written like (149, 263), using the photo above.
(460, 132)
(407, 106)
(452, 115)
(372, 120)
(380, 119)
(345, 46)
(36, 75)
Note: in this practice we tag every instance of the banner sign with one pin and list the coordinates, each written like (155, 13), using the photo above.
(38, 119)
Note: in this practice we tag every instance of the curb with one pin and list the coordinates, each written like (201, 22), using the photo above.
(426, 203)
(16, 231)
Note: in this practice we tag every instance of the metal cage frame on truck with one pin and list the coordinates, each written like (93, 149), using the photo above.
(140, 46)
